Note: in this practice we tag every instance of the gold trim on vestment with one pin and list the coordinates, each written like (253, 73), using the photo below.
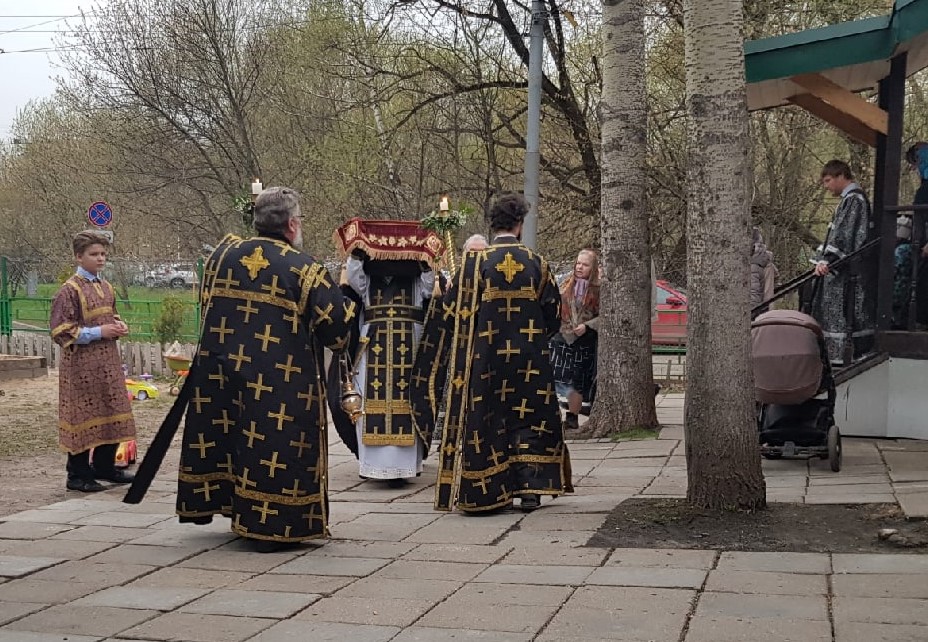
(525, 292)
(537, 459)
(394, 406)
(96, 421)
(486, 472)
(206, 477)
(286, 500)
(388, 440)
(243, 295)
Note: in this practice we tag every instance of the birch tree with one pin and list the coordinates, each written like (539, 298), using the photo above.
(722, 454)
(625, 398)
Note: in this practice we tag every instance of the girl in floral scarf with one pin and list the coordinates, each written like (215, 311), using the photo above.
(573, 349)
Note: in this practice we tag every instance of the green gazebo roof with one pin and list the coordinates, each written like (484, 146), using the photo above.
(853, 54)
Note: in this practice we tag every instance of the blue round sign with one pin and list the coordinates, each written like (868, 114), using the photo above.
(100, 214)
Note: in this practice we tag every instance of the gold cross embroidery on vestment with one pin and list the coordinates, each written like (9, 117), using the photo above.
(255, 262)
(509, 267)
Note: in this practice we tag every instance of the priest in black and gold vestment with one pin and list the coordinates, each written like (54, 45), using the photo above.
(503, 436)
(254, 445)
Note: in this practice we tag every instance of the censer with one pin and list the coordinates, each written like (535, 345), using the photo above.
(351, 401)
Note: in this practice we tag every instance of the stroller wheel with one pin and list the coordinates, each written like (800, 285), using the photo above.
(174, 391)
(834, 448)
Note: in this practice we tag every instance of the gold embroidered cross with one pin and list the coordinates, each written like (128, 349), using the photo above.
(222, 330)
(246, 483)
(531, 330)
(205, 489)
(202, 446)
(503, 390)
(280, 416)
(301, 444)
(248, 309)
(288, 368)
(272, 464)
(266, 338)
(264, 510)
(509, 267)
(259, 386)
(241, 356)
(252, 434)
(198, 400)
(225, 422)
(255, 263)
(272, 289)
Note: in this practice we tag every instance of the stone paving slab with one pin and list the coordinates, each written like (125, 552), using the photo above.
(303, 631)
(194, 627)
(467, 553)
(614, 613)
(142, 597)
(30, 636)
(48, 591)
(10, 611)
(663, 557)
(377, 611)
(272, 604)
(756, 606)
(326, 565)
(912, 585)
(864, 632)
(876, 563)
(767, 583)
(738, 629)
(101, 621)
(426, 634)
(542, 575)
(17, 566)
(816, 563)
(30, 530)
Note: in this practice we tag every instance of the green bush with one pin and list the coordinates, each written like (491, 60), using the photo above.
(168, 325)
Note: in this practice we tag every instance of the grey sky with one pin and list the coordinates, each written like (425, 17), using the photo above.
(27, 76)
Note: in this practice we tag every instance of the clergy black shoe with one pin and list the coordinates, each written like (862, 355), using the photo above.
(201, 520)
(530, 503)
(116, 476)
(85, 485)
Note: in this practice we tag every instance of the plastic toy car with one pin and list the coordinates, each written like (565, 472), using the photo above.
(141, 390)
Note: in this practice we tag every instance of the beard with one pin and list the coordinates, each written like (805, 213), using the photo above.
(297, 241)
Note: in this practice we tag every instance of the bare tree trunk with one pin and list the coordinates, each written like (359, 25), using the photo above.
(624, 397)
(722, 454)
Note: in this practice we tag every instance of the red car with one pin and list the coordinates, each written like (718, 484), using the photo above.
(669, 329)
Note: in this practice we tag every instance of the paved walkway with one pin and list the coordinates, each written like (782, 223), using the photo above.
(90, 568)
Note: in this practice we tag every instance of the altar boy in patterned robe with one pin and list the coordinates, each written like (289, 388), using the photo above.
(503, 436)
(93, 406)
(255, 442)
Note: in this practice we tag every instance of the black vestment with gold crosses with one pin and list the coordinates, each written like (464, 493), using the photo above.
(255, 444)
(503, 436)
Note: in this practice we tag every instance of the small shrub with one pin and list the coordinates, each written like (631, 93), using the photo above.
(170, 321)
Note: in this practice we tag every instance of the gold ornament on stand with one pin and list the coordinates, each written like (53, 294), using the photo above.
(446, 222)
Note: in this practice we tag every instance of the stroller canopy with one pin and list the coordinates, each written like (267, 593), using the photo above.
(787, 352)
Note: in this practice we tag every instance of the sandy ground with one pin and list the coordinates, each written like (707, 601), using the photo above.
(32, 469)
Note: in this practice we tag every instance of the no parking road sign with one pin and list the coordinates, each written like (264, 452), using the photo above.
(100, 214)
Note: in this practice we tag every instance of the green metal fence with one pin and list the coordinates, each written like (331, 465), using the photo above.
(141, 310)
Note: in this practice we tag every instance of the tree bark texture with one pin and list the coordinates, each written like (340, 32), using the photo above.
(624, 397)
(722, 454)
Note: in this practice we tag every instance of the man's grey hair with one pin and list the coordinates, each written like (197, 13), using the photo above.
(474, 240)
(274, 207)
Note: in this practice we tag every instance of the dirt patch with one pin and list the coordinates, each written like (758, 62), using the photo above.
(818, 528)
(31, 466)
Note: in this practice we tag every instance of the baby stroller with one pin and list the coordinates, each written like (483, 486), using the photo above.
(794, 388)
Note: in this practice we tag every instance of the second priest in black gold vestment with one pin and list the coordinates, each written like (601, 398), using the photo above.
(254, 443)
(503, 436)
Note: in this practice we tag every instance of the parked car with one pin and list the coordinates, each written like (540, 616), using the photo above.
(669, 328)
(174, 276)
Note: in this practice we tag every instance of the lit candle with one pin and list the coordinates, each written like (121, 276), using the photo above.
(443, 204)
(256, 187)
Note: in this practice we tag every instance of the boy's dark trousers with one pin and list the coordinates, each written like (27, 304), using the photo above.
(104, 459)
